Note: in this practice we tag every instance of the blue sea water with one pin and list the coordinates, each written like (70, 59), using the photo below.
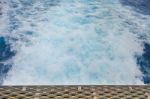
(74, 42)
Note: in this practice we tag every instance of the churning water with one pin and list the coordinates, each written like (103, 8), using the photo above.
(74, 42)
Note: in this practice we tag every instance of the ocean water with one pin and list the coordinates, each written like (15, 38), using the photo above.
(58, 42)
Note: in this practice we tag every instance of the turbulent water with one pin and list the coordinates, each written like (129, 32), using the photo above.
(74, 42)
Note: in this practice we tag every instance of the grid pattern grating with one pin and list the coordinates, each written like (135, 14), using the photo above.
(75, 92)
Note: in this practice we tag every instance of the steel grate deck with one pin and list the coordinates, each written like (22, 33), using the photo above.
(75, 92)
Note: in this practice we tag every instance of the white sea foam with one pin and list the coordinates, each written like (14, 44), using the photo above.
(76, 42)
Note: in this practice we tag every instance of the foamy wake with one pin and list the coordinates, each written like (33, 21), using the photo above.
(74, 42)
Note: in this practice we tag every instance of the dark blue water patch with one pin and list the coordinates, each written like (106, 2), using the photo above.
(142, 6)
(5, 54)
(5, 50)
(144, 62)
(4, 69)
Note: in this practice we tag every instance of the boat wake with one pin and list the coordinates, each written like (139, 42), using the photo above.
(56, 42)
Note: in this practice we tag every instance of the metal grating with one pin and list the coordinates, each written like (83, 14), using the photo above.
(75, 92)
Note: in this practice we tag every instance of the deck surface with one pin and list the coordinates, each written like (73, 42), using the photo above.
(75, 92)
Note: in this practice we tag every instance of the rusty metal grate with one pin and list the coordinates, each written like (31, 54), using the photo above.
(75, 92)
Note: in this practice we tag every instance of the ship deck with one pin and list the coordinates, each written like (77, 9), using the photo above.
(75, 92)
